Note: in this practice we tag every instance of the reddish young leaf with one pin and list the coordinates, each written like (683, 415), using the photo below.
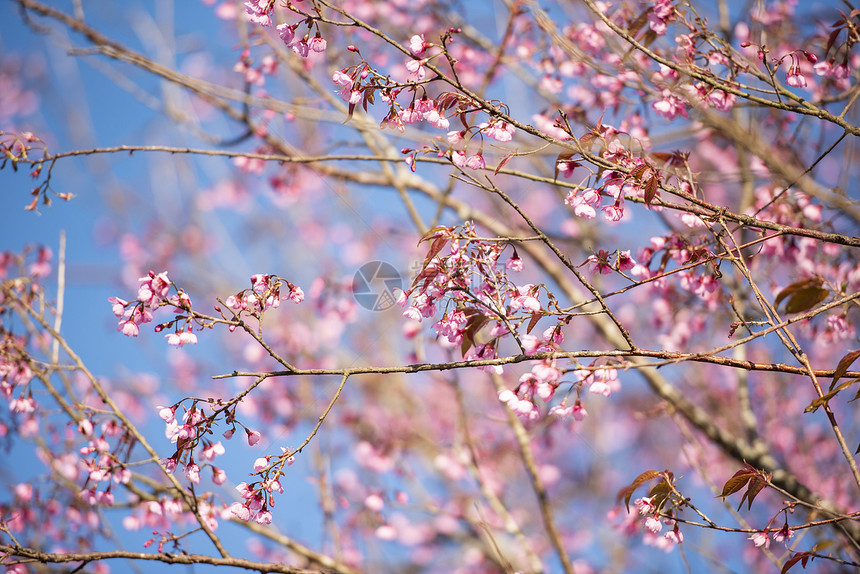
(533, 321)
(802, 557)
(736, 482)
(832, 38)
(432, 233)
(650, 190)
(843, 365)
(628, 491)
(659, 494)
(505, 161)
(474, 324)
(756, 484)
(639, 171)
(806, 299)
(793, 288)
(754, 479)
(435, 248)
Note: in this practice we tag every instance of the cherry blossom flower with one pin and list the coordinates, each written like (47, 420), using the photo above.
(253, 437)
(416, 69)
(498, 130)
(458, 158)
(653, 524)
(476, 162)
(660, 15)
(526, 299)
(240, 511)
(674, 536)
(783, 534)
(317, 44)
(417, 45)
(514, 264)
(129, 328)
(301, 48)
(287, 33)
(258, 11)
(760, 540)
(218, 475)
(670, 106)
(794, 78)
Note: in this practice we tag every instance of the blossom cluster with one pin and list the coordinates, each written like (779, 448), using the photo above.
(466, 275)
(261, 12)
(153, 293)
(264, 294)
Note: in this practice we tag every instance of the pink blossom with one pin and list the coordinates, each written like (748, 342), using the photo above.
(374, 502)
(499, 130)
(613, 212)
(192, 473)
(317, 44)
(88, 495)
(129, 329)
(258, 11)
(253, 437)
(783, 534)
(722, 101)
(794, 78)
(416, 69)
(296, 294)
(625, 261)
(410, 115)
(455, 138)
(760, 539)
(218, 475)
(240, 511)
(458, 158)
(264, 517)
(566, 168)
(287, 33)
(476, 162)
(670, 106)
(437, 119)
(599, 264)
(386, 532)
(212, 450)
(514, 264)
(153, 288)
(526, 299)
(119, 305)
(301, 48)
(417, 45)
(341, 78)
(653, 524)
(660, 15)
(600, 388)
